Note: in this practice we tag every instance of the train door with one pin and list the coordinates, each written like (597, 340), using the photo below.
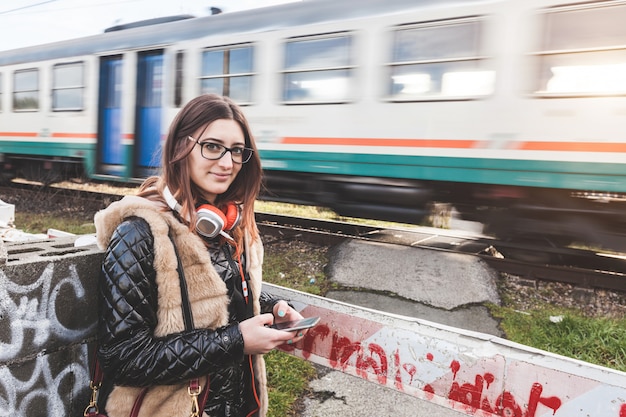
(111, 152)
(148, 113)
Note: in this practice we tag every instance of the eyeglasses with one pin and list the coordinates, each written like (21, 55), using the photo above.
(213, 151)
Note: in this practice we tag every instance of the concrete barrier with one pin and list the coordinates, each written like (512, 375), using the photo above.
(474, 373)
(48, 311)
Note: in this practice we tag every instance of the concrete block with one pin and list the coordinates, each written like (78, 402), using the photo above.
(48, 306)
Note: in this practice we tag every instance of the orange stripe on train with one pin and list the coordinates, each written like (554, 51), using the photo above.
(65, 135)
(574, 146)
(20, 134)
(460, 144)
(74, 135)
(409, 143)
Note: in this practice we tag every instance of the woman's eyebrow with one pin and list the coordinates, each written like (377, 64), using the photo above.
(210, 138)
(220, 141)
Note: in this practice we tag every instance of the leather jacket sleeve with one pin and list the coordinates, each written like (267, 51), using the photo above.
(267, 301)
(127, 348)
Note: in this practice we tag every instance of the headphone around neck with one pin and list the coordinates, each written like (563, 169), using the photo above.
(210, 221)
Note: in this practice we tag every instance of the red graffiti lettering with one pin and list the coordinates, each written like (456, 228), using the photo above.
(341, 351)
(489, 378)
(622, 411)
(506, 406)
(379, 366)
(371, 359)
(429, 392)
(396, 364)
(410, 369)
(535, 398)
(467, 393)
(318, 332)
(485, 406)
(455, 366)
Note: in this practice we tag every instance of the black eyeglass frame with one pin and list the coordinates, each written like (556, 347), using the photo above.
(244, 158)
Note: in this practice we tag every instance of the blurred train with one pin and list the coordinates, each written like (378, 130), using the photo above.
(512, 111)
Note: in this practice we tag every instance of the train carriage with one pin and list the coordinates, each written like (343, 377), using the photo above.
(512, 111)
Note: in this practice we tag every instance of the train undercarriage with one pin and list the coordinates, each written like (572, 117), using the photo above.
(550, 217)
(46, 170)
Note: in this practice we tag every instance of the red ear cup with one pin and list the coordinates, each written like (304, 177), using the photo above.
(211, 221)
(233, 216)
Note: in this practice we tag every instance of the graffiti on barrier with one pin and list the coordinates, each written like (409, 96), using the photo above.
(32, 317)
(505, 404)
(36, 310)
(43, 388)
(385, 366)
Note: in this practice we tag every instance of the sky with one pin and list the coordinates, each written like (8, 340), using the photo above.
(32, 22)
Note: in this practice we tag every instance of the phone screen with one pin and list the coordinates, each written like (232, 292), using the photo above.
(297, 324)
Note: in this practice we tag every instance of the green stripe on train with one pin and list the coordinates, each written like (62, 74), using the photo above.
(74, 150)
(83, 151)
(608, 177)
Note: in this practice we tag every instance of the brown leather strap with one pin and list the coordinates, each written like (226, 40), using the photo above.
(138, 401)
(204, 395)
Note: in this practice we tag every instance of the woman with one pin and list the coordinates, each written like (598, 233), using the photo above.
(210, 164)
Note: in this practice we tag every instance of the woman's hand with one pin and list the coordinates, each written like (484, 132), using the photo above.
(282, 313)
(259, 338)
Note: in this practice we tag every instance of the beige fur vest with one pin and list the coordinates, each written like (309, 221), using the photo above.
(207, 293)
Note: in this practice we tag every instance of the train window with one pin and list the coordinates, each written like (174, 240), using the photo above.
(317, 70)
(228, 71)
(584, 51)
(26, 89)
(178, 79)
(439, 60)
(68, 87)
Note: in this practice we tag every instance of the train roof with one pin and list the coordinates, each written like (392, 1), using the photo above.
(256, 20)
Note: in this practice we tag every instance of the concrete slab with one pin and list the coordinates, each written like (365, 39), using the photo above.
(340, 394)
(474, 317)
(438, 279)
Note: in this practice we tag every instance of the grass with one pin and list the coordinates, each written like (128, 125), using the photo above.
(40, 223)
(289, 270)
(601, 341)
(321, 213)
(287, 379)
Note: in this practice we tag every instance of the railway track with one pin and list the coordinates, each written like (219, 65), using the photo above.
(581, 268)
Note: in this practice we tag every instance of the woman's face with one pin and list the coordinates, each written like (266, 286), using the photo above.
(214, 177)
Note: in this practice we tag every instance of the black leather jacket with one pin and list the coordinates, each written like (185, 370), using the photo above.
(131, 355)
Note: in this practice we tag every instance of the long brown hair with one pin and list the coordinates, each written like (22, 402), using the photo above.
(199, 112)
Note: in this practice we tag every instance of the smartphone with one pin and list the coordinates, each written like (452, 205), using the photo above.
(290, 326)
